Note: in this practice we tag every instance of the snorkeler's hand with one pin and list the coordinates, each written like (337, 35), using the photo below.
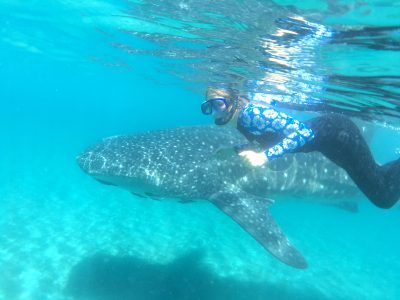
(256, 159)
(225, 153)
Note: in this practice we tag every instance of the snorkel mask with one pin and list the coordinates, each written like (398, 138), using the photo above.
(222, 105)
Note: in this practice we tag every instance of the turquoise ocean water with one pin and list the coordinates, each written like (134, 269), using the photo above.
(68, 81)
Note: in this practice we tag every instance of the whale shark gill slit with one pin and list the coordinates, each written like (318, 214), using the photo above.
(105, 182)
(138, 195)
(153, 196)
(252, 215)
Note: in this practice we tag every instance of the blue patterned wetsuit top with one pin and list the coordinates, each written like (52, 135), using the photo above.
(259, 119)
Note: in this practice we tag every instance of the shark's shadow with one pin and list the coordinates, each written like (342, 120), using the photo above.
(105, 277)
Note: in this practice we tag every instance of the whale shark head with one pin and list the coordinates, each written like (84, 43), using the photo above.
(182, 164)
(178, 163)
(128, 163)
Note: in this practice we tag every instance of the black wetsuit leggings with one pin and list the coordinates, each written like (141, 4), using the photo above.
(340, 140)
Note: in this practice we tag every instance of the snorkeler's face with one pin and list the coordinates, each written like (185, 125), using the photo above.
(220, 104)
(214, 106)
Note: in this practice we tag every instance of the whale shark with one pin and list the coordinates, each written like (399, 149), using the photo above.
(183, 164)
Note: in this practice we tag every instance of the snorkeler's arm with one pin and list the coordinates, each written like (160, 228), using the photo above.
(258, 120)
(296, 135)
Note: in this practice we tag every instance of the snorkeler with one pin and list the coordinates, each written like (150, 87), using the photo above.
(334, 135)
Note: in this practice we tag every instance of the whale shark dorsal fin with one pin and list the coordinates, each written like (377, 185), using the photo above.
(251, 213)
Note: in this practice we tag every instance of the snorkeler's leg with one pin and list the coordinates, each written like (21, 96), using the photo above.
(340, 140)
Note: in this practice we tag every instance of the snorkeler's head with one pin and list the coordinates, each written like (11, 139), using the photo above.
(222, 104)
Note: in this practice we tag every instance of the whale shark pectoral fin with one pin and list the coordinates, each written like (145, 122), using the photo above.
(251, 214)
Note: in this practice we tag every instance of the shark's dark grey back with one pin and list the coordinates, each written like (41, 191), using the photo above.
(181, 163)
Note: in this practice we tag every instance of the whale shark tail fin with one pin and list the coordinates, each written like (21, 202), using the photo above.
(251, 213)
